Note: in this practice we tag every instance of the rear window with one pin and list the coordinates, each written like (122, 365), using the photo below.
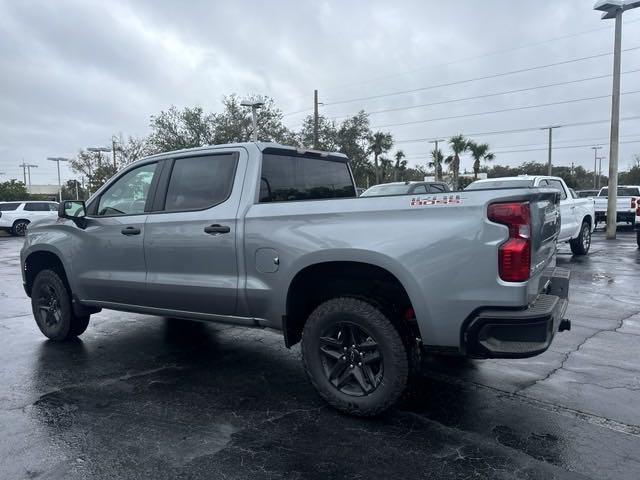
(622, 192)
(287, 178)
(7, 207)
(500, 184)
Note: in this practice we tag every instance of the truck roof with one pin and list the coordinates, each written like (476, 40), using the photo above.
(262, 146)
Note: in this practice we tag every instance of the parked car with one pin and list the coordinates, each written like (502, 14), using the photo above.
(626, 204)
(16, 216)
(587, 193)
(405, 188)
(577, 214)
(264, 235)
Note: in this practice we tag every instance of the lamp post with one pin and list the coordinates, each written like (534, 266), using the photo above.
(614, 9)
(58, 160)
(595, 163)
(255, 105)
(26, 167)
(600, 170)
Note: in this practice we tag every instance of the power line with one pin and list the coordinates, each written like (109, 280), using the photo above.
(558, 148)
(583, 139)
(503, 110)
(474, 79)
(475, 57)
(516, 130)
(487, 95)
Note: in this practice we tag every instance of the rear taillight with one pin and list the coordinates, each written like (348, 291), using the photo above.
(514, 255)
(633, 202)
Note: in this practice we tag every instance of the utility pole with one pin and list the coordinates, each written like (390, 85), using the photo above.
(24, 171)
(436, 159)
(315, 120)
(58, 160)
(113, 152)
(549, 164)
(595, 164)
(614, 9)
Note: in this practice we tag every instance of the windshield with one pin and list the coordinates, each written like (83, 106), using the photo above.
(389, 189)
(622, 192)
(489, 185)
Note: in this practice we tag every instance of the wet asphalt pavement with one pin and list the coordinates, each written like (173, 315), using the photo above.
(145, 397)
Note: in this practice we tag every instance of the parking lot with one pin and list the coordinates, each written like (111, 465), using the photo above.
(140, 396)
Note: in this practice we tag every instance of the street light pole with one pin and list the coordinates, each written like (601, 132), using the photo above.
(599, 170)
(595, 163)
(58, 160)
(614, 9)
(255, 105)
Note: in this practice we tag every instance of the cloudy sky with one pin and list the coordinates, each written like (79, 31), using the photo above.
(76, 72)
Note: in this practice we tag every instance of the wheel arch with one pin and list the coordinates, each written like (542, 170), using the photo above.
(39, 260)
(351, 275)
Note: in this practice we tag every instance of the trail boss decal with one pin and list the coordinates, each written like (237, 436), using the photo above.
(435, 200)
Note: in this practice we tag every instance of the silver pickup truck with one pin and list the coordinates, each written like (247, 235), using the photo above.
(264, 235)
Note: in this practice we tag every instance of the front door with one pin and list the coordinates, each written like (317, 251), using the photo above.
(190, 240)
(108, 254)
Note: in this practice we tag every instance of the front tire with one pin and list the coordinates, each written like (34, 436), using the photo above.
(582, 244)
(19, 228)
(354, 356)
(52, 309)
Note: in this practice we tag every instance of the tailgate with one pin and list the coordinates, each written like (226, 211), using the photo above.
(545, 227)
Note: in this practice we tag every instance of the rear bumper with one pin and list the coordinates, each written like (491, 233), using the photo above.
(628, 217)
(507, 333)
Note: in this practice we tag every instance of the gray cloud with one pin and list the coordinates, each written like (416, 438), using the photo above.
(75, 72)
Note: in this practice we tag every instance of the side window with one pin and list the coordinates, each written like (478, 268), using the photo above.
(200, 182)
(436, 188)
(7, 207)
(420, 189)
(53, 207)
(128, 195)
(543, 183)
(557, 184)
(36, 207)
(288, 178)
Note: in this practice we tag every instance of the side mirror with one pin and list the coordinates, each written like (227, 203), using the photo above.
(73, 210)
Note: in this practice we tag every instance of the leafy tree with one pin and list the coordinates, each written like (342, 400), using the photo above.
(379, 143)
(131, 150)
(327, 134)
(352, 140)
(400, 165)
(177, 129)
(479, 152)
(94, 167)
(72, 188)
(458, 144)
(13, 190)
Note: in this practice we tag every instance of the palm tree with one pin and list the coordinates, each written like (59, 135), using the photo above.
(479, 151)
(458, 144)
(436, 163)
(400, 165)
(379, 143)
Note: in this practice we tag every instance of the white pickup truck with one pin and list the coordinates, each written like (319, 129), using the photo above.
(577, 215)
(626, 204)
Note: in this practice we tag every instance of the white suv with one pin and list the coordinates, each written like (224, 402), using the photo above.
(15, 216)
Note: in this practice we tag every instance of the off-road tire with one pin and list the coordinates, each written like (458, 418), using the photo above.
(19, 228)
(582, 244)
(367, 317)
(58, 322)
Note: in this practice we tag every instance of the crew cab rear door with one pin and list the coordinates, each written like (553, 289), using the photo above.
(569, 223)
(190, 236)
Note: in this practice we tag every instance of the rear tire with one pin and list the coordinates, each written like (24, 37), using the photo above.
(52, 309)
(354, 356)
(582, 244)
(19, 228)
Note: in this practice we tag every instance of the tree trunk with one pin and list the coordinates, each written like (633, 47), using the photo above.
(375, 162)
(476, 169)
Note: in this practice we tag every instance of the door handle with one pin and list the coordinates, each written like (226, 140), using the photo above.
(216, 229)
(130, 231)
